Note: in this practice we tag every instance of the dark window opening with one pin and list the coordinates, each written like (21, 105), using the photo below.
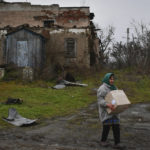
(48, 23)
(92, 58)
(70, 47)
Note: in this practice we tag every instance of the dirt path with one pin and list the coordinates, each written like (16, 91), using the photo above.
(80, 132)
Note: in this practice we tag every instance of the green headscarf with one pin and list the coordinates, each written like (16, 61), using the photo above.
(106, 80)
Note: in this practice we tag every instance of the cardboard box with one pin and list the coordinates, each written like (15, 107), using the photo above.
(119, 99)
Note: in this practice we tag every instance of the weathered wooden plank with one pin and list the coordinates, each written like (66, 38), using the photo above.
(24, 48)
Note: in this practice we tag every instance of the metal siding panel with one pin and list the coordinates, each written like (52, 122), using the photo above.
(7, 48)
(14, 43)
(34, 46)
(34, 52)
(22, 53)
(30, 47)
(38, 51)
(11, 50)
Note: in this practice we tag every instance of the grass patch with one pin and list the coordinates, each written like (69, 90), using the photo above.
(136, 86)
(40, 101)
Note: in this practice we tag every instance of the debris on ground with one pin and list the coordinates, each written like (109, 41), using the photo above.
(81, 131)
(59, 86)
(13, 101)
(16, 119)
(65, 83)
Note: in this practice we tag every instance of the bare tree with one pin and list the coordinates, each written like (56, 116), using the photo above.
(106, 37)
(136, 52)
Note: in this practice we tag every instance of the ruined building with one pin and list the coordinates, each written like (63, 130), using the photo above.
(46, 36)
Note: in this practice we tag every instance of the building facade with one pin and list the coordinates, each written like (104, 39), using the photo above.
(42, 36)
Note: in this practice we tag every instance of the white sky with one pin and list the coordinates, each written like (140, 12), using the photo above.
(118, 13)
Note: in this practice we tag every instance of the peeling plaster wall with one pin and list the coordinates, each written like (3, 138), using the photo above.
(3, 32)
(15, 14)
(56, 47)
(15, 18)
(73, 17)
(69, 22)
(76, 31)
(27, 7)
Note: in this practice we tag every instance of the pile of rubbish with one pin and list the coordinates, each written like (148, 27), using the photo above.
(65, 83)
(13, 101)
(16, 119)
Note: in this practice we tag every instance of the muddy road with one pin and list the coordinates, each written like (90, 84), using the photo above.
(80, 131)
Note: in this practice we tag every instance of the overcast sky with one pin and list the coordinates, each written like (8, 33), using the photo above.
(118, 13)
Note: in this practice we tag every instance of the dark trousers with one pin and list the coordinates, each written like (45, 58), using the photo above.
(116, 132)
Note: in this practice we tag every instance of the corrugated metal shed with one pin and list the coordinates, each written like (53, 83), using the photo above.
(25, 48)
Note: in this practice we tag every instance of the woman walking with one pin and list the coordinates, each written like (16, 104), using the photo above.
(108, 120)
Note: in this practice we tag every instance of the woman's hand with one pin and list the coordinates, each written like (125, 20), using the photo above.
(111, 106)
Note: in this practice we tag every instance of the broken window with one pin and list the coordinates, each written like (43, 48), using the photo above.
(70, 44)
(48, 23)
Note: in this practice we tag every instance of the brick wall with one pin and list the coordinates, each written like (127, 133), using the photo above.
(55, 47)
(15, 14)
